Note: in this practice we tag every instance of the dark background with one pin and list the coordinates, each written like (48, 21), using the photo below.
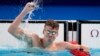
(55, 2)
(53, 9)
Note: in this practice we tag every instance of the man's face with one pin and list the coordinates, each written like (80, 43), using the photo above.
(50, 33)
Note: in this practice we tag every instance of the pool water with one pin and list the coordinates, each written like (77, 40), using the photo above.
(33, 52)
(41, 52)
(95, 52)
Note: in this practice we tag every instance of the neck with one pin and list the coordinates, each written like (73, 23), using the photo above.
(46, 43)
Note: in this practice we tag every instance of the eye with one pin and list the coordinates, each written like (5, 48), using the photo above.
(53, 33)
(48, 32)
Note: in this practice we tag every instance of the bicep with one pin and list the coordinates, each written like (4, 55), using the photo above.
(20, 33)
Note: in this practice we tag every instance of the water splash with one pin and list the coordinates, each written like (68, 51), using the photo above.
(30, 14)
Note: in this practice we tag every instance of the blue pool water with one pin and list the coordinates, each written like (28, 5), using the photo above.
(33, 52)
(95, 52)
(41, 52)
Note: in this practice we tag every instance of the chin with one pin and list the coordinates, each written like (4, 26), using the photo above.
(50, 40)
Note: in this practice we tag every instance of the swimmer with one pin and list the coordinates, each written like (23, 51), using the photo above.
(50, 30)
(50, 33)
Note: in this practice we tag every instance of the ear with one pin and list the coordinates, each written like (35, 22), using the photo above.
(43, 31)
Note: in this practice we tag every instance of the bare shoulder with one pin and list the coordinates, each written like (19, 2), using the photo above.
(35, 40)
(35, 37)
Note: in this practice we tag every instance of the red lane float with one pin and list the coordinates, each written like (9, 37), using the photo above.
(77, 52)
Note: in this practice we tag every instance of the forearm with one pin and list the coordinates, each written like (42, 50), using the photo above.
(72, 46)
(14, 28)
(84, 48)
(80, 47)
(28, 7)
(17, 21)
